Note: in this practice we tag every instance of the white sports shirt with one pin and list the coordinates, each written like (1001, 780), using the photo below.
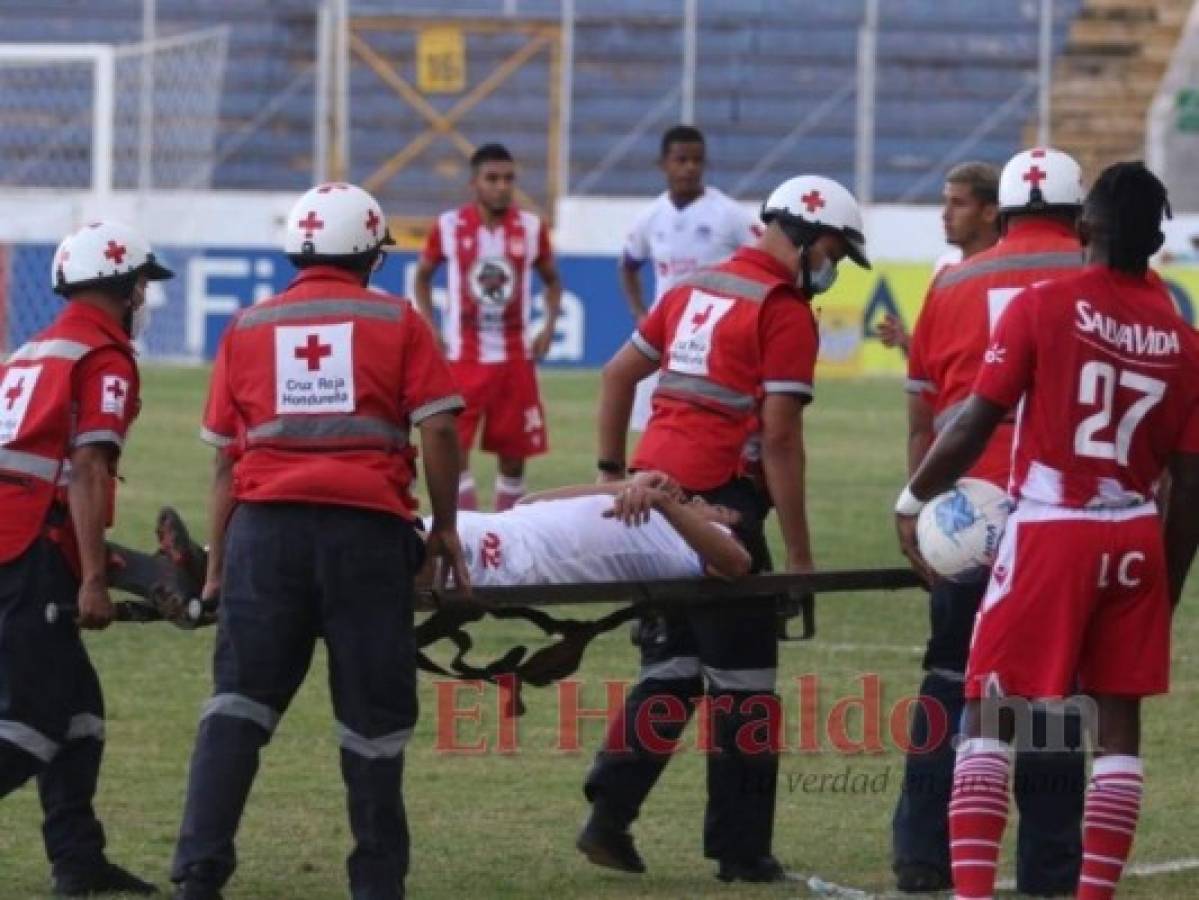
(679, 241)
(570, 542)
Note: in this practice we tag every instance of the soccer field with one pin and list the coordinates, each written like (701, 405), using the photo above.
(503, 825)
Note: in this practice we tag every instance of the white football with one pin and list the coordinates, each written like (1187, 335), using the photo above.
(959, 531)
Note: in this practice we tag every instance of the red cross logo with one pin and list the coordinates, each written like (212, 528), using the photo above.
(812, 200)
(116, 252)
(313, 352)
(372, 222)
(1035, 176)
(332, 186)
(13, 394)
(115, 388)
(700, 319)
(310, 223)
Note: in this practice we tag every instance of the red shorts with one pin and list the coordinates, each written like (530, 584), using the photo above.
(506, 396)
(1078, 602)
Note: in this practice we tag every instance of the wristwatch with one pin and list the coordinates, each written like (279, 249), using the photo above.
(610, 467)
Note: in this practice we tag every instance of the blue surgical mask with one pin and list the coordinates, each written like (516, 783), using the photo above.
(819, 280)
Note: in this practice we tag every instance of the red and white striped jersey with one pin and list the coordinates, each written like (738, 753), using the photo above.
(1109, 376)
(489, 272)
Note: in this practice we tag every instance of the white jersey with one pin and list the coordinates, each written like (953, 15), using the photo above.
(679, 241)
(570, 542)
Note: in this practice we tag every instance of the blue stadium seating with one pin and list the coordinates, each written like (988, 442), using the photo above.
(764, 66)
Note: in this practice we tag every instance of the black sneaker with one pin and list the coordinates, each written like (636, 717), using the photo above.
(763, 870)
(920, 878)
(104, 878)
(609, 845)
(196, 890)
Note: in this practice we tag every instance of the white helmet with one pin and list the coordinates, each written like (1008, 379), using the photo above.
(810, 205)
(1040, 180)
(100, 252)
(335, 220)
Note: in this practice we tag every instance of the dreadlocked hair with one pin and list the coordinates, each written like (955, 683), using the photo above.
(1128, 203)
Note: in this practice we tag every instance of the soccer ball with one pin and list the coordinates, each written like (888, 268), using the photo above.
(959, 531)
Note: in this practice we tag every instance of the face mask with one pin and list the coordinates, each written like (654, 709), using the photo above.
(815, 282)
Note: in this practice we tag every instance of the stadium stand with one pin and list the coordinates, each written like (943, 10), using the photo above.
(943, 68)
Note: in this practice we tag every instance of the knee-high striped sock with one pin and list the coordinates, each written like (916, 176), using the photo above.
(1110, 815)
(467, 498)
(978, 815)
(508, 491)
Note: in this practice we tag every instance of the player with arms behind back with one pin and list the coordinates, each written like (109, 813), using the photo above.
(1106, 375)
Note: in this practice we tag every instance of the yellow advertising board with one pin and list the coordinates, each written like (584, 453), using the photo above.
(850, 312)
(441, 60)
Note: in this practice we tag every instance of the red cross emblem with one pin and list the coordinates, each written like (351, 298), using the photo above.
(13, 394)
(1035, 176)
(700, 319)
(812, 200)
(372, 222)
(310, 223)
(313, 352)
(116, 252)
(332, 186)
(115, 389)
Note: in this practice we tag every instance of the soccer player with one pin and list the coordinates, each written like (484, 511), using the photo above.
(1106, 376)
(689, 226)
(492, 248)
(970, 216)
(1039, 196)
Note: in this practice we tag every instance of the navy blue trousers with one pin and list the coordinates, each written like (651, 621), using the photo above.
(51, 708)
(1048, 784)
(294, 573)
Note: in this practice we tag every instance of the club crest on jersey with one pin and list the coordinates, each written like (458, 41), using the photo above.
(493, 281)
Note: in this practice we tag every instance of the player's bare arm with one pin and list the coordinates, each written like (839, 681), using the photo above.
(630, 286)
(920, 430)
(422, 287)
(220, 508)
(439, 449)
(91, 479)
(1182, 525)
(548, 270)
(957, 448)
(618, 381)
(659, 480)
(785, 463)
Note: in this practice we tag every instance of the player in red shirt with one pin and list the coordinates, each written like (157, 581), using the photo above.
(1105, 374)
(1039, 197)
(491, 248)
(67, 400)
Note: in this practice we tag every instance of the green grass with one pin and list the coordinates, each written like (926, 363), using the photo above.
(503, 826)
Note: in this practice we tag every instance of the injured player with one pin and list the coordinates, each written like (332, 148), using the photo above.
(642, 529)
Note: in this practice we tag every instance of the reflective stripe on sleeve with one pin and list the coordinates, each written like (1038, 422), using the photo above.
(216, 440)
(647, 349)
(102, 436)
(31, 741)
(387, 746)
(239, 707)
(741, 679)
(451, 403)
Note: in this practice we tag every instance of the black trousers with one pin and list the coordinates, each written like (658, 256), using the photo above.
(1048, 784)
(51, 708)
(293, 573)
(731, 655)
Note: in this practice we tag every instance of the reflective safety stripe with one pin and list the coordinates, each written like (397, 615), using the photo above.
(945, 417)
(677, 667)
(787, 387)
(432, 408)
(329, 427)
(99, 437)
(42, 467)
(85, 725)
(704, 392)
(949, 675)
(57, 348)
(647, 349)
(916, 386)
(29, 740)
(387, 746)
(311, 309)
(1071, 259)
(742, 679)
(239, 707)
(216, 440)
(728, 283)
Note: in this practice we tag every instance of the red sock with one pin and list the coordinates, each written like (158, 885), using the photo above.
(1110, 816)
(467, 498)
(978, 815)
(508, 491)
